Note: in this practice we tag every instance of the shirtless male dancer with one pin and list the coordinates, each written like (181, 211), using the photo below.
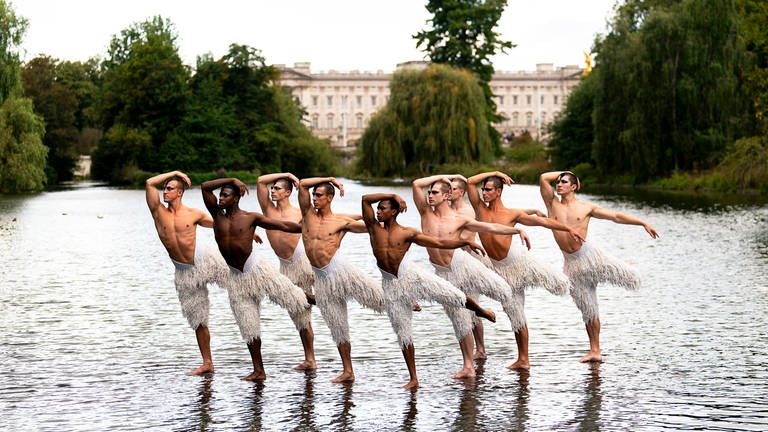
(335, 280)
(585, 264)
(403, 286)
(176, 226)
(273, 192)
(471, 276)
(250, 279)
(516, 265)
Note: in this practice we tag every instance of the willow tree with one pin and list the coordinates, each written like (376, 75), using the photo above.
(433, 116)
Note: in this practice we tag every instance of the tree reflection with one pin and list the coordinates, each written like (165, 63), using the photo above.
(589, 418)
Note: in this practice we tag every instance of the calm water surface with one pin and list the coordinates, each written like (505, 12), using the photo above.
(93, 338)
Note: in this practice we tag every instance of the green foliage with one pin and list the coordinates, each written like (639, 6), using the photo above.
(435, 116)
(572, 133)
(22, 153)
(119, 152)
(746, 165)
(463, 36)
(524, 149)
(754, 19)
(12, 29)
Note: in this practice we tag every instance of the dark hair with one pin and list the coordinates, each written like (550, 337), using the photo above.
(178, 180)
(235, 189)
(444, 187)
(393, 204)
(285, 183)
(462, 184)
(328, 188)
(571, 178)
(497, 183)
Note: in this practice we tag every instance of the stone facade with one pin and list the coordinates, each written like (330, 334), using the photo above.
(339, 104)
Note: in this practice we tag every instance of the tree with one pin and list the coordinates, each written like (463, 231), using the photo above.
(22, 154)
(463, 35)
(572, 133)
(435, 116)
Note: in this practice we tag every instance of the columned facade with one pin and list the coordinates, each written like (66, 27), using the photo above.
(340, 104)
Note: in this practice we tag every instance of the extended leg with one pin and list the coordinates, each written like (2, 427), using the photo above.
(593, 331)
(409, 353)
(468, 370)
(345, 351)
(254, 347)
(522, 362)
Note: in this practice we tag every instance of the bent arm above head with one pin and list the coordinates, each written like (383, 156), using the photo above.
(314, 181)
(480, 178)
(545, 186)
(418, 185)
(262, 188)
(621, 218)
(152, 183)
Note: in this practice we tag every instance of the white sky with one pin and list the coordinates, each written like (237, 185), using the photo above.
(343, 35)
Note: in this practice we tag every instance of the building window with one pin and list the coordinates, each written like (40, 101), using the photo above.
(359, 121)
(514, 120)
(344, 101)
(501, 100)
(543, 117)
(554, 99)
(514, 100)
(329, 122)
(314, 101)
(529, 119)
(373, 100)
(329, 100)
(541, 100)
(528, 100)
(359, 100)
(315, 121)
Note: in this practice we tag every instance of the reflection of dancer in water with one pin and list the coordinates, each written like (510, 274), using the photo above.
(275, 203)
(585, 264)
(471, 276)
(176, 226)
(390, 242)
(516, 265)
(335, 280)
(249, 278)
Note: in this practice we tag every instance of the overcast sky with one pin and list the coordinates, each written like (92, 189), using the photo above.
(331, 34)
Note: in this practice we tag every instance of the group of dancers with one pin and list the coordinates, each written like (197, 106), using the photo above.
(306, 241)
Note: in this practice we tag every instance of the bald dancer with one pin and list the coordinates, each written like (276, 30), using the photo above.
(273, 192)
(584, 263)
(516, 265)
(336, 281)
(471, 276)
(403, 286)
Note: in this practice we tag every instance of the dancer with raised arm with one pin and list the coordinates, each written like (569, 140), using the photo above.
(176, 225)
(471, 276)
(403, 286)
(273, 192)
(585, 264)
(516, 265)
(249, 279)
(336, 281)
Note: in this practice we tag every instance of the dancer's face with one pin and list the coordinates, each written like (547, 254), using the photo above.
(227, 198)
(564, 185)
(490, 192)
(384, 212)
(320, 199)
(457, 193)
(278, 191)
(172, 191)
(435, 196)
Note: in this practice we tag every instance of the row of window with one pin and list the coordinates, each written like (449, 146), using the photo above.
(329, 100)
(515, 120)
(329, 121)
(529, 99)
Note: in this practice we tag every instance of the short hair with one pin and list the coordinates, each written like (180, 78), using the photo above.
(571, 178)
(235, 189)
(179, 180)
(444, 187)
(496, 180)
(328, 188)
(285, 183)
(461, 183)
(393, 204)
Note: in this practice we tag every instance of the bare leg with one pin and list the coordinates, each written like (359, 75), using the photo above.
(593, 331)
(258, 374)
(472, 305)
(478, 333)
(308, 343)
(409, 353)
(204, 343)
(345, 351)
(522, 362)
(468, 370)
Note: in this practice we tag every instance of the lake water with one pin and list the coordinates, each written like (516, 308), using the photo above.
(93, 338)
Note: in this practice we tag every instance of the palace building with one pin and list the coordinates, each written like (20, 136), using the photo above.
(339, 104)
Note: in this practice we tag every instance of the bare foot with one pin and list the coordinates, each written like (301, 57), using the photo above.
(480, 355)
(255, 376)
(306, 365)
(416, 307)
(595, 357)
(520, 365)
(345, 377)
(311, 299)
(412, 385)
(204, 369)
(487, 314)
(464, 373)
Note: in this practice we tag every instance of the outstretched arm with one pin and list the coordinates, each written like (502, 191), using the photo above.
(552, 224)
(262, 188)
(621, 218)
(153, 199)
(536, 212)
(276, 224)
(418, 186)
(422, 239)
(494, 228)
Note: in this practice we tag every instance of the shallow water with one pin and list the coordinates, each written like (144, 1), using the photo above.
(94, 340)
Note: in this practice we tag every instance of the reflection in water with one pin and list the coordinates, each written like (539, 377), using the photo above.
(589, 418)
(345, 420)
(307, 405)
(204, 402)
(409, 422)
(521, 401)
(257, 404)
